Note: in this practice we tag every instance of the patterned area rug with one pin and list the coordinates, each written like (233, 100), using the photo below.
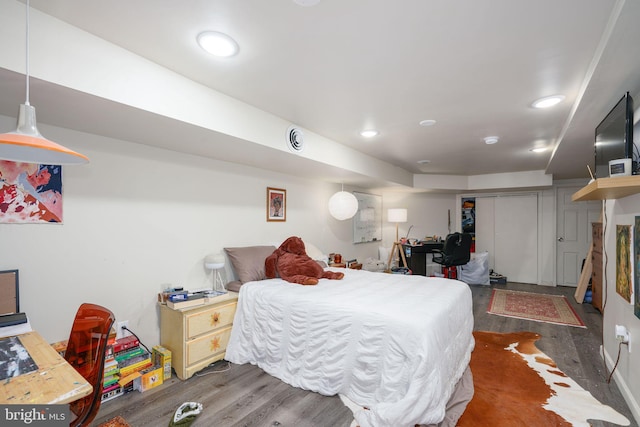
(530, 306)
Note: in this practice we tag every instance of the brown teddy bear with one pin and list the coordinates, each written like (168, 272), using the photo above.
(292, 263)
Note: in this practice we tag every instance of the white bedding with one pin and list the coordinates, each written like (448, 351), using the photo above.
(394, 344)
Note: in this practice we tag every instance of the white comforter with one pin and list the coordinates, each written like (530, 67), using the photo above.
(394, 344)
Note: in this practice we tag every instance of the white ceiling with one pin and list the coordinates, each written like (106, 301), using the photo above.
(341, 66)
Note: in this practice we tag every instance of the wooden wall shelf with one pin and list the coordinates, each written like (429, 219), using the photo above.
(608, 188)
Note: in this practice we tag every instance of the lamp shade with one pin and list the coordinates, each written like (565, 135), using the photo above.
(25, 144)
(214, 261)
(343, 205)
(397, 215)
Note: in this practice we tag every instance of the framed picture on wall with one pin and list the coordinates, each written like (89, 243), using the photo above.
(276, 204)
(623, 262)
(30, 193)
(636, 267)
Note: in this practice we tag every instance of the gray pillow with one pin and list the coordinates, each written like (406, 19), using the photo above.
(248, 261)
(233, 286)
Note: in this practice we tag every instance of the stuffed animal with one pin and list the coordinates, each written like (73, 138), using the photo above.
(292, 263)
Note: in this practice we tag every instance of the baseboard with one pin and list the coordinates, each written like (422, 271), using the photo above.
(622, 385)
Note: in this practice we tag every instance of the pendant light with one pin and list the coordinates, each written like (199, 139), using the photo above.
(343, 205)
(26, 144)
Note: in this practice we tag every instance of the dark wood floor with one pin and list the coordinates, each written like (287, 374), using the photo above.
(243, 395)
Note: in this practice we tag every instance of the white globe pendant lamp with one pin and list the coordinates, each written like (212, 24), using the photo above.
(343, 205)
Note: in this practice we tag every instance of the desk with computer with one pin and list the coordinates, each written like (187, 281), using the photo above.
(419, 254)
(455, 250)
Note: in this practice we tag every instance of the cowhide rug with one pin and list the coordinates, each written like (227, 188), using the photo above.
(518, 385)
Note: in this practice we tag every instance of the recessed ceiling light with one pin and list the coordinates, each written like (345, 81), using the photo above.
(539, 149)
(424, 162)
(491, 140)
(427, 122)
(369, 133)
(548, 101)
(217, 44)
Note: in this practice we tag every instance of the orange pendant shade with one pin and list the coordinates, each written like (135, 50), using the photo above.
(25, 144)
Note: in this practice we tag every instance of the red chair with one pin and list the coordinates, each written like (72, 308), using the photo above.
(86, 351)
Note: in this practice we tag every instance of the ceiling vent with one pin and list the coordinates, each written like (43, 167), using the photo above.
(295, 139)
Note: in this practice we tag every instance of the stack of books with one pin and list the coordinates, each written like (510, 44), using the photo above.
(110, 387)
(183, 299)
(125, 359)
(131, 359)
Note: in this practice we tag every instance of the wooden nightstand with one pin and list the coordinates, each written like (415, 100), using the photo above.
(197, 336)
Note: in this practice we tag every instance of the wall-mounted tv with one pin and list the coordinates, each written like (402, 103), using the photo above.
(614, 137)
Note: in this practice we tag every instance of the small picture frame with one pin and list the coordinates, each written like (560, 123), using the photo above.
(276, 204)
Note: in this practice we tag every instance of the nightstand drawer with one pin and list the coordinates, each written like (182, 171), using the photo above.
(207, 320)
(207, 345)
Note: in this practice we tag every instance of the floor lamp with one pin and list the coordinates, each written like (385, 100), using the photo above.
(397, 216)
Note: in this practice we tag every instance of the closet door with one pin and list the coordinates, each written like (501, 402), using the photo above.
(485, 228)
(516, 237)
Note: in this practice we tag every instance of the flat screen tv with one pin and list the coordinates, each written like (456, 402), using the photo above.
(614, 137)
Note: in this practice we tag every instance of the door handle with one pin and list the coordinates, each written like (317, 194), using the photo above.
(560, 239)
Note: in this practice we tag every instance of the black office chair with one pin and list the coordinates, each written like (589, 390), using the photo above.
(455, 251)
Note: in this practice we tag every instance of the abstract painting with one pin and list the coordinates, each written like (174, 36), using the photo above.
(623, 261)
(30, 193)
(636, 267)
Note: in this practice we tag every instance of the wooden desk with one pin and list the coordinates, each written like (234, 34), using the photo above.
(55, 381)
(417, 256)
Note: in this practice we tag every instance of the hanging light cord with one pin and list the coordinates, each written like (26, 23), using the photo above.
(27, 55)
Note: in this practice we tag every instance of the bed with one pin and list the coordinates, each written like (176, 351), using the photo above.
(397, 345)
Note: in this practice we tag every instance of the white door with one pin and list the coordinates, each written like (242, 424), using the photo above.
(507, 228)
(516, 237)
(573, 235)
(485, 231)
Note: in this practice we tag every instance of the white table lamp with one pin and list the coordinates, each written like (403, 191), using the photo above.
(215, 263)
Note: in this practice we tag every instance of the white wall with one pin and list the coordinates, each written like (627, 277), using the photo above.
(617, 311)
(426, 212)
(138, 218)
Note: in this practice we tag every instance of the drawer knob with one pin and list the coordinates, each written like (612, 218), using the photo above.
(215, 318)
(215, 344)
